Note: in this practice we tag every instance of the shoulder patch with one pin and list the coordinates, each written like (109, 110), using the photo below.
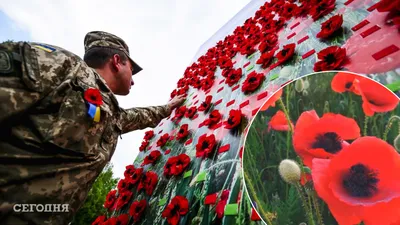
(44, 47)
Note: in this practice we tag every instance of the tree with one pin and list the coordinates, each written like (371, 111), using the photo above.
(93, 205)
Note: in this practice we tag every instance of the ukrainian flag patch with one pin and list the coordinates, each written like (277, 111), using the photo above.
(44, 47)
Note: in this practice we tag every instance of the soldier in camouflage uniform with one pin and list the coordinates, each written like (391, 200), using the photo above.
(51, 149)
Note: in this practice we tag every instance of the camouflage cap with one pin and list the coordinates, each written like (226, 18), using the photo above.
(103, 39)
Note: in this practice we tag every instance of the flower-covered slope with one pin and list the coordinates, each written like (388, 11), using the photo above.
(189, 167)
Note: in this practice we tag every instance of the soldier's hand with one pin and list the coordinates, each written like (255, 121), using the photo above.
(176, 101)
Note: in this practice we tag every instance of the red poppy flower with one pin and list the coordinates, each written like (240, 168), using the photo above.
(176, 165)
(99, 220)
(252, 82)
(180, 112)
(234, 120)
(247, 49)
(196, 82)
(178, 207)
(151, 158)
(129, 170)
(110, 199)
(220, 208)
(119, 220)
(93, 96)
(331, 58)
(234, 76)
(163, 140)
(225, 62)
(148, 134)
(344, 81)
(123, 199)
(330, 26)
(279, 122)
(289, 9)
(285, 54)
(268, 43)
(136, 210)
(323, 137)
(148, 182)
(271, 100)
(191, 112)
(361, 183)
(205, 146)
(167, 151)
(125, 184)
(206, 104)
(207, 83)
(183, 132)
(182, 91)
(265, 59)
(173, 94)
(213, 119)
(137, 175)
(144, 145)
(376, 97)
(322, 8)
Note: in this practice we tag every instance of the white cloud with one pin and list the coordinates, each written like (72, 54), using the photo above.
(163, 37)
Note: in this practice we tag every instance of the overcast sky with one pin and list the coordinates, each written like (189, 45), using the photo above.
(163, 36)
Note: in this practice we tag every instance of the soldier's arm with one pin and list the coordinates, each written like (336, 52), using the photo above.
(139, 118)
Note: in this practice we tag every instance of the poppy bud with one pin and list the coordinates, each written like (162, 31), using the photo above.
(286, 71)
(305, 93)
(299, 85)
(306, 84)
(396, 143)
(290, 171)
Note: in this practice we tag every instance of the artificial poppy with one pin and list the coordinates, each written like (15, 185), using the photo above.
(247, 49)
(322, 8)
(163, 140)
(93, 96)
(323, 137)
(183, 132)
(125, 184)
(285, 54)
(206, 104)
(344, 81)
(393, 9)
(329, 27)
(196, 82)
(178, 207)
(144, 145)
(330, 58)
(110, 200)
(191, 112)
(272, 99)
(123, 199)
(182, 91)
(173, 93)
(167, 151)
(137, 209)
(99, 220)
(180, 112)
(279, 122)
(205, 146)
(252, 82)
(207, 83)
(376, 97)
(148, 182)
(361, 183)
(225, 62)
(129, 170)
(176, 165)
(213, 119)
(234, 76)
(268, 43)
(234, 119)
(265, 59)
(289, 9)
(122, 219)
(137, 175)
(151, 158)
(148, 134)
(220, 208)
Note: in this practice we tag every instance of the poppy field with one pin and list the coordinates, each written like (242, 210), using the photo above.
(324, 149)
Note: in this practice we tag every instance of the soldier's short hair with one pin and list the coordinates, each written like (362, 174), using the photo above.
(98, 57)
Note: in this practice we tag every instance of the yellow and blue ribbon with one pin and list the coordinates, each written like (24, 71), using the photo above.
(94, 112)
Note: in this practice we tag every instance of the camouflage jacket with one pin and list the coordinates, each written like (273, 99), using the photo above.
(51, 149)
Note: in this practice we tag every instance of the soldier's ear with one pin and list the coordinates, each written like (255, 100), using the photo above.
(116, 62)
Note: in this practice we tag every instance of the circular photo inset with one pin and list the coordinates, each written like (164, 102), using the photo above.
(324, 150)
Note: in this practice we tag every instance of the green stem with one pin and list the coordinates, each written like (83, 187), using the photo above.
(284, 109)
(389, 125)
(350, 113)
(365, 126)
(317, 209)
(305, 204)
